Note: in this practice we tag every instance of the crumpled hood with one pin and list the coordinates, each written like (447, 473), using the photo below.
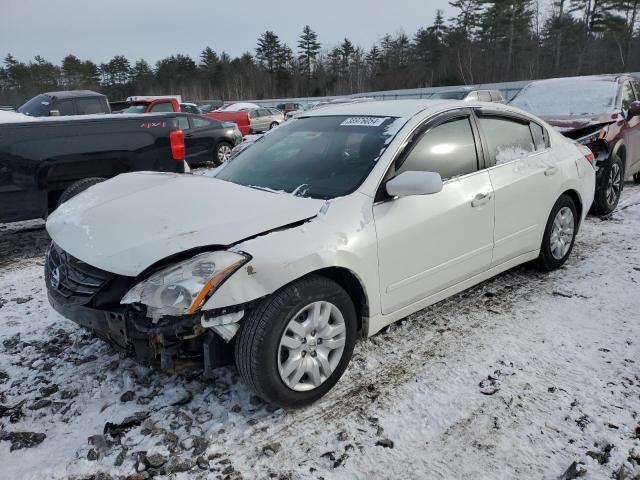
(569, 123)
(127, 224)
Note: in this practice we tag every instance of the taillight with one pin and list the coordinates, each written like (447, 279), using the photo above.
(588, 154)
(176, 139)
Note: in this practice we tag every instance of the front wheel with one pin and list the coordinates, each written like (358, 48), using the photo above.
(223, 153)
(559, 234)
(296, 344)
(273, 125)
(609, 188)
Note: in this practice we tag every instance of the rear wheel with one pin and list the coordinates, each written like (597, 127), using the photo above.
(559, 234)
(78, 187)
(636, 177)
(610, 186)
(295, 345)
(223, 153)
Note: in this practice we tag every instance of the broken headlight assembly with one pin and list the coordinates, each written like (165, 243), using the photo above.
(591, 138)
(184, 287)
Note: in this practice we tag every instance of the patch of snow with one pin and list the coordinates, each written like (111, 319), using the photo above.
(14, 117)
(239, 106)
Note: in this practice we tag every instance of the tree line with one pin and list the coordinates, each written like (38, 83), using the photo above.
(485, 41)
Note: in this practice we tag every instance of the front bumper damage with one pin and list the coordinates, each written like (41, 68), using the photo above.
(90, 298)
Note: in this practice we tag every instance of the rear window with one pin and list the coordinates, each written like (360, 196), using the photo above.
(88, 106)
(162, 107)
(507, 139)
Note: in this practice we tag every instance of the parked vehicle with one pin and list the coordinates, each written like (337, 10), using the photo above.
(70, 102)
(45, 160)
(601, 112)
(330, 228)
(241, 119)
(118, 105)
(470, 95)
(288, 107)
(190, 108)
(250, 120)
(263, 119)
(209, 105)
(152, 105)
(207, 140)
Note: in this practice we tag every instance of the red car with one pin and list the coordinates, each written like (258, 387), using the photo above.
(152, 105)
(601, 112)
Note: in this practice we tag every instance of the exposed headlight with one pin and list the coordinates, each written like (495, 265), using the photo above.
(589, 139)
(184, 287)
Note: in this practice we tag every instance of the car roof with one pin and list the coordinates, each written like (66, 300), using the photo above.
(382, 108)
(73, 94)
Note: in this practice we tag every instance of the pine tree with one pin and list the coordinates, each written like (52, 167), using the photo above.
(268, 49)
(308, 49)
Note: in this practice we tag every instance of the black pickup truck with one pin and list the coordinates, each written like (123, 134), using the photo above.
(42, 161)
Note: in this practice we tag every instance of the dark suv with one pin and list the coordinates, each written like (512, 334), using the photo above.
(601, 112)
(70, 102)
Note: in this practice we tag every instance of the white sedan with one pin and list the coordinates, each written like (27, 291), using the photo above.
(328, 229)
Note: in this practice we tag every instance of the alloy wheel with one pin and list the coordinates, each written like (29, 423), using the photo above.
(562, 233)
(614, 183)
(311, 346)
(224, 153)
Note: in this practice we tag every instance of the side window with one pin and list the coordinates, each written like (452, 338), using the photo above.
(484, 96)
(183, 123)
(199, 122)
(627, 95)
(263, 112)
(472, 97)
(88, 106)
(538, 136)
(253, 113)
(448, 148)
(65, 107)
(496, 96)
(507, 139)
(162, 107)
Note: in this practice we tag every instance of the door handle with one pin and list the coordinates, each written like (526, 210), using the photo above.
(550, 171)
(481, 199)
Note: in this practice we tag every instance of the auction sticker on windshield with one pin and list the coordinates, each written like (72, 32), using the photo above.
(363, 121)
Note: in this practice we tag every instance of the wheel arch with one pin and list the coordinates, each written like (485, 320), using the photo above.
(577, 201)
(620, 149)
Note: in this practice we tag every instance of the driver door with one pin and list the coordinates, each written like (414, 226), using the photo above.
(427, 243)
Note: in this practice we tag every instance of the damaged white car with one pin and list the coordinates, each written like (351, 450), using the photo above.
(328, 229)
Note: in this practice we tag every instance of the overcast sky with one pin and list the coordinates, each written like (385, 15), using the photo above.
(153, 29)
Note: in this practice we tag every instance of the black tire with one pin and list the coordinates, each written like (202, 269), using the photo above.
(273, 125)
(603, 204)
(546, 260)
(219, 152)
(256, 349)
(77, 187)
(636, 177)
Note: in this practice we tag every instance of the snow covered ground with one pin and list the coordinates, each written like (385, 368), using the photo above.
(518, 378)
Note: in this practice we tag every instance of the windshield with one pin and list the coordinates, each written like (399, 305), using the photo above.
(37, 106)
(557, 98)
(449, 95)
(136, 108)
(319, 157)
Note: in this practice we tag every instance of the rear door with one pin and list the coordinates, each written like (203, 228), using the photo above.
(525, 176)
(427, 243)
(202, 135)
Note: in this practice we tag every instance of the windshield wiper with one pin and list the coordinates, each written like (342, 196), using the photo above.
(301, 190)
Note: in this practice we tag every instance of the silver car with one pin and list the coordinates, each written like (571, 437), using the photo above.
(263, 119)
(470, 95)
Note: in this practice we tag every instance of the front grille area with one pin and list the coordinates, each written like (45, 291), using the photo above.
(71, 278)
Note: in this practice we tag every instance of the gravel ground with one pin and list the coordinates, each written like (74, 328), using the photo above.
(528, 375)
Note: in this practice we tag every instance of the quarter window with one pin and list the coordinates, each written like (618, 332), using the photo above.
(448, 149)
(538, 136)
(199, 122)
(627, 95)
(183, 123)
(507, 140)
(88, 106)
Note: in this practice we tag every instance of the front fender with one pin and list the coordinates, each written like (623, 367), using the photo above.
(343, 236)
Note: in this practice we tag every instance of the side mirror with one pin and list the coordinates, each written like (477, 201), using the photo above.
(414, 183)
(54, 113)
(634, 109)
